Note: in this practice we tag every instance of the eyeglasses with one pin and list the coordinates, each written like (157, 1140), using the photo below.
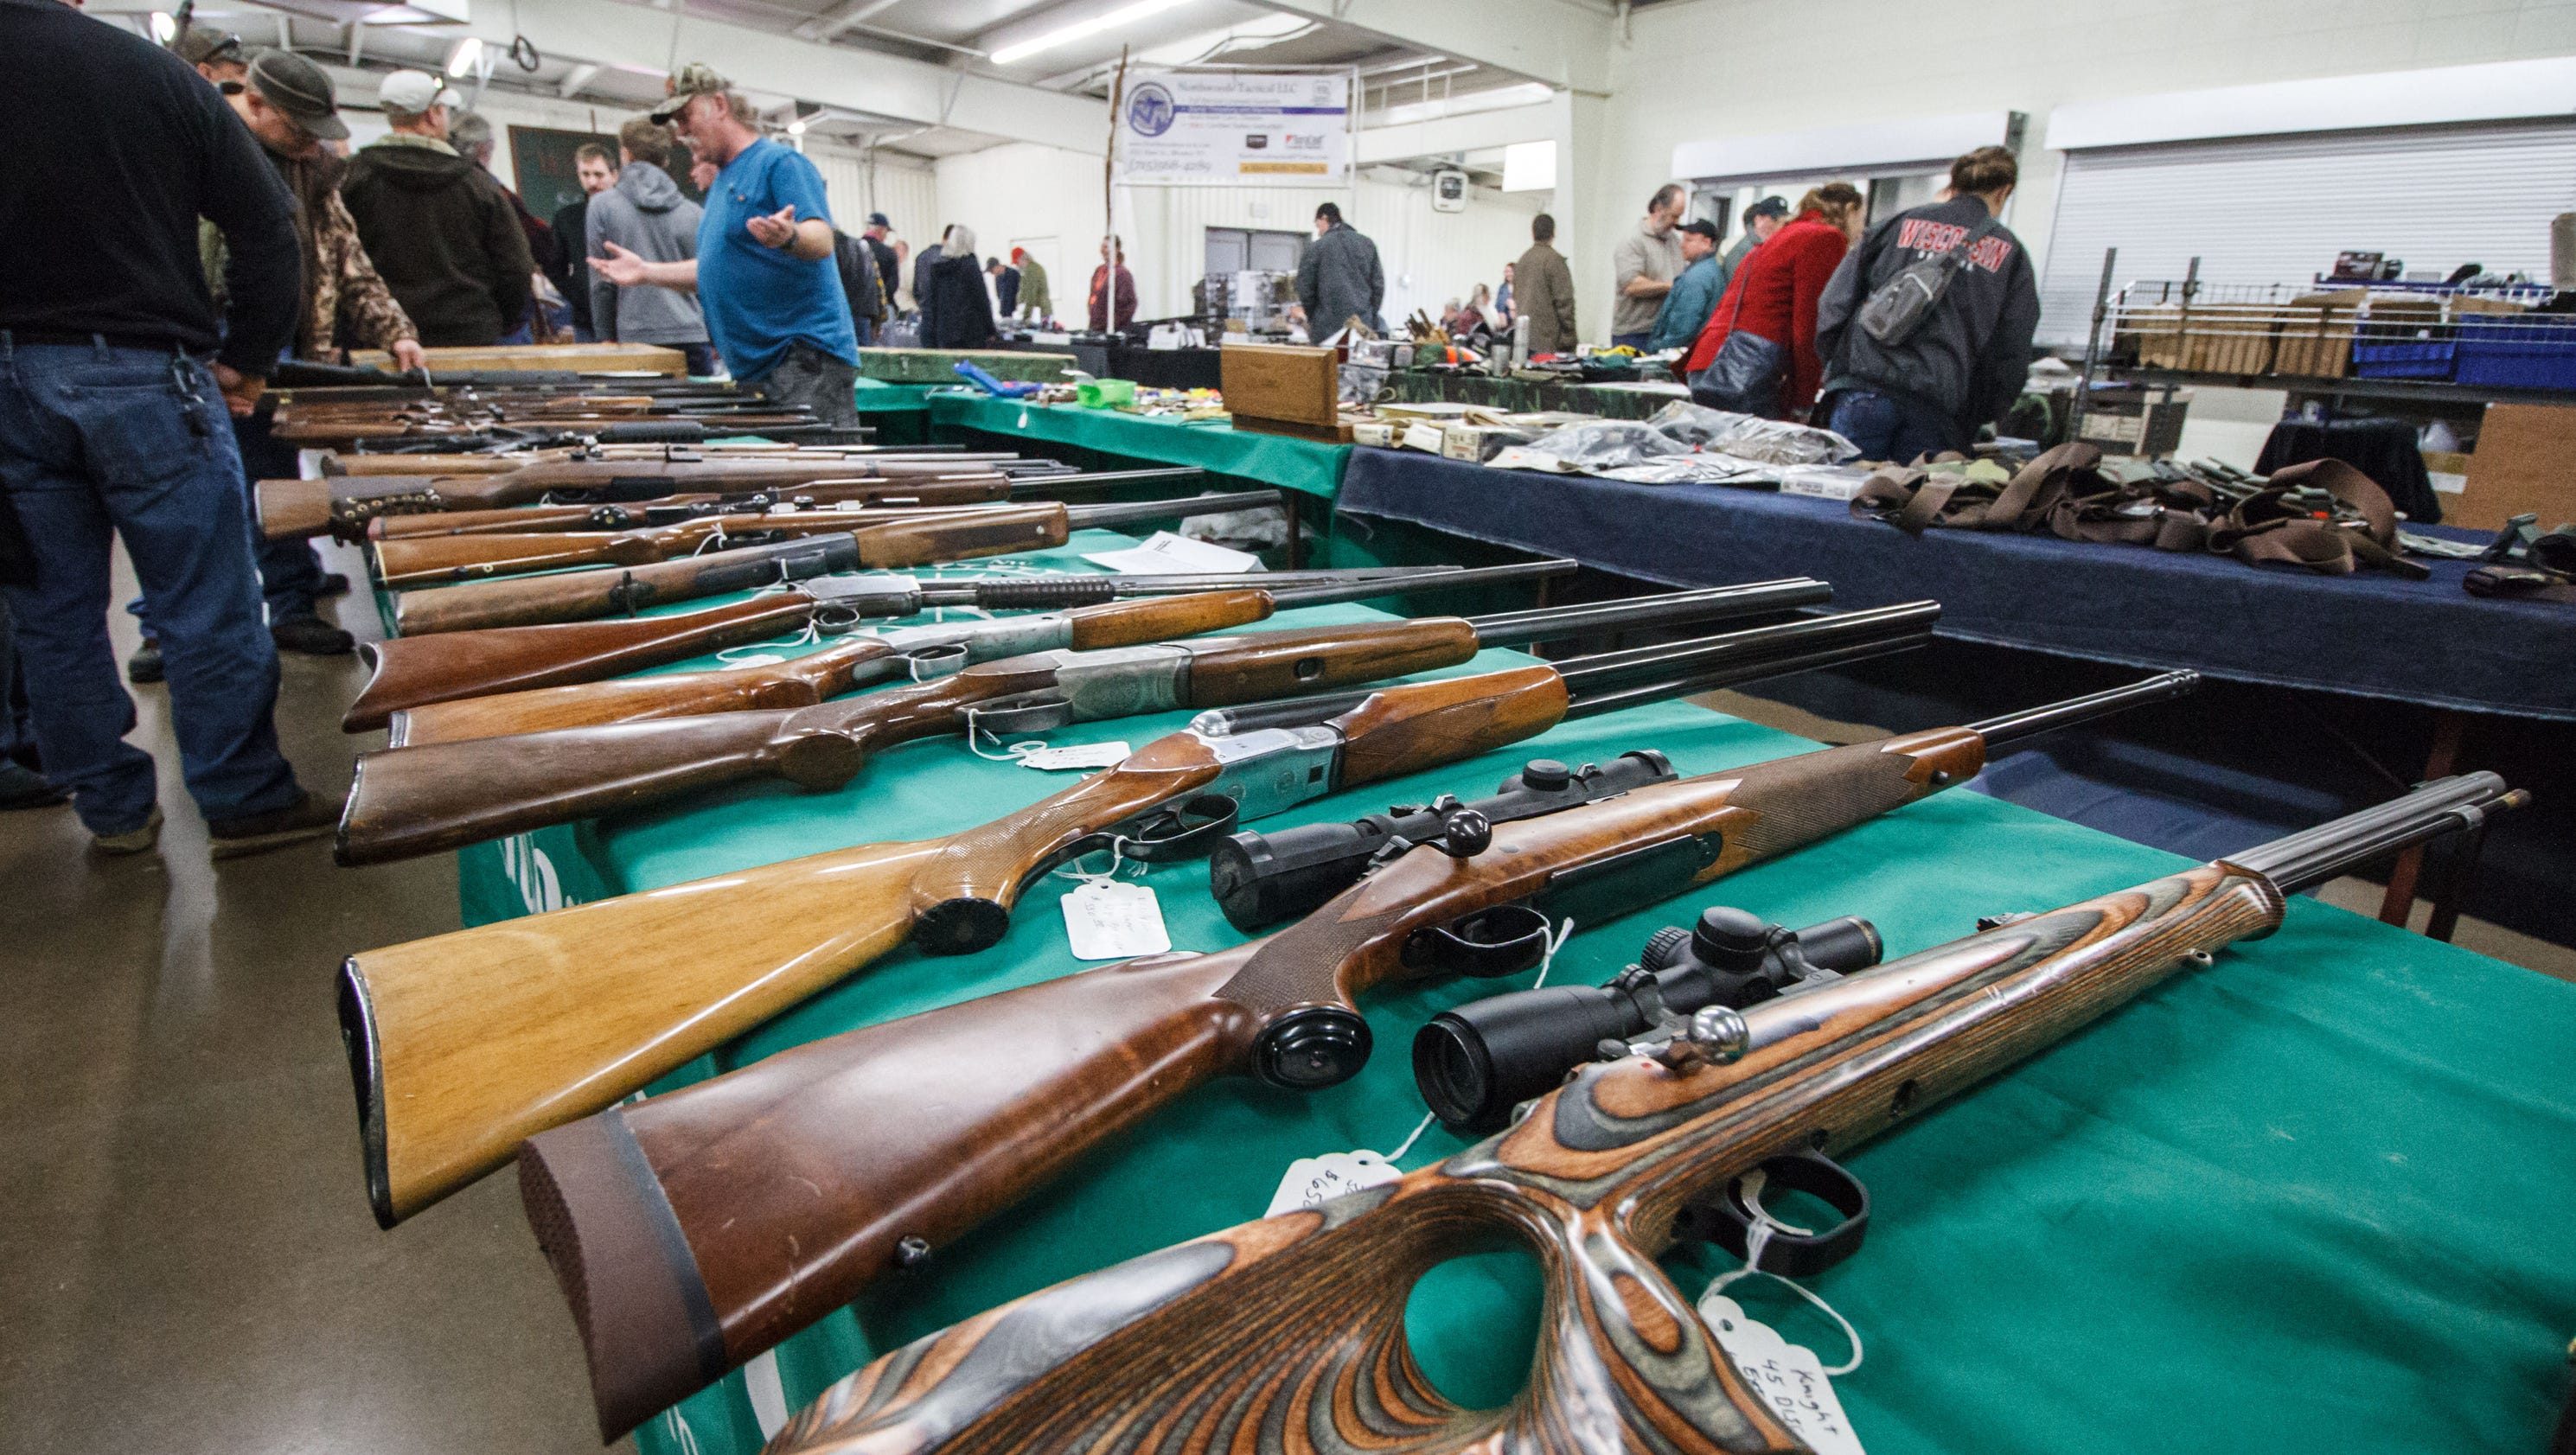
(231, 88)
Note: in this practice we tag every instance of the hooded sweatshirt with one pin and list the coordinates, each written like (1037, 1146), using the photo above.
(646, 215)
(445, 237)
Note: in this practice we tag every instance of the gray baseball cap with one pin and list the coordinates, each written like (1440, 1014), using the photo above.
(299, 88)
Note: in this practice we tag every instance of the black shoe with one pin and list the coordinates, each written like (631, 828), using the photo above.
(334, 583)
(312, 636)
(306, 818)
(145, 664)
(22, 788)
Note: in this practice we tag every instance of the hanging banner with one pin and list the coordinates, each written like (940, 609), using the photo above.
(1235, 129)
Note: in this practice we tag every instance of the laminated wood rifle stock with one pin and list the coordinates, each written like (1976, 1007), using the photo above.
(1096, 1052)
(464, 1044)
(1287, 1335)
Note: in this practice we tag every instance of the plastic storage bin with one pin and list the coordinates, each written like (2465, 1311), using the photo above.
(2517, 354)
(2403, 361)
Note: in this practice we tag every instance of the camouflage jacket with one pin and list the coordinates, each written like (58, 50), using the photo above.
(344, 298)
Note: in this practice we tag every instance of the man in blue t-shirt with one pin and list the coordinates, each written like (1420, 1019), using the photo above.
(763, 272)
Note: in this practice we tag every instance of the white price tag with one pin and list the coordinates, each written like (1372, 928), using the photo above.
(1079, 755)
(1165, 554)
(1791, 1378)
(1109, 921)
(757, 659)
(1314, 1181)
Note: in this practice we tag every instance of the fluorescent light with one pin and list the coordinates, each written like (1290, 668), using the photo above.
(163, 26)
(1529, 166)
(465, 55)
(796, 127)
(1080, 29)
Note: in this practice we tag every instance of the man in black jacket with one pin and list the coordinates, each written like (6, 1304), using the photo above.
(596, 170)
(116, 380)
(442, 232)
(1964, 366)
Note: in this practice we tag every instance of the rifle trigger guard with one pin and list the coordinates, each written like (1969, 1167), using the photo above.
(1188, 830)
(1504, 940)
(1726, 1218)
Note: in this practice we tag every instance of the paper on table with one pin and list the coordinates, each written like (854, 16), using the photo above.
(1166, 554)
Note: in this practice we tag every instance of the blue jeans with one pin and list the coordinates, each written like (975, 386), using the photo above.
(17, 727)
(867, 328)
(99, 442)
(701, 357)
(1891, 427)
(290, 575)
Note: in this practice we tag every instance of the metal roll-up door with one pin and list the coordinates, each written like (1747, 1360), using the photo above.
(2278, 209)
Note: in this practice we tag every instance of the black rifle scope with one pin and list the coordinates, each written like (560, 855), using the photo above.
(1475, 1063)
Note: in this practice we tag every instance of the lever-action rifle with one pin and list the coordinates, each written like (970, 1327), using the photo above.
(1288, 1333)
(841, 602)
(919, 538)
(958, 1127)
(423, 799)
(343, 504)
(464, 1044)
(673, 509)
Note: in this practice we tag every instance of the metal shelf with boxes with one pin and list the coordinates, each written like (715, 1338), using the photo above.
(2492, 362)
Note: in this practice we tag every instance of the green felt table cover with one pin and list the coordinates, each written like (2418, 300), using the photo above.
(876, 396)
(1279, 460)
(2313, 1198)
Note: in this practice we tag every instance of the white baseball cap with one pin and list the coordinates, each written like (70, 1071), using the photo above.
(413, 93)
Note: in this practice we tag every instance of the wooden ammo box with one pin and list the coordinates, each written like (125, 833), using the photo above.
(1284, 389)
(939, 366)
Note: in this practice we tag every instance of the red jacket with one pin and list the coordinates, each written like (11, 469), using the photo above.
(1101, 322)
(1773, 295)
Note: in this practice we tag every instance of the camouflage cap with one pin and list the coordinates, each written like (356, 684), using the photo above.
(204, 45)
(694, 80)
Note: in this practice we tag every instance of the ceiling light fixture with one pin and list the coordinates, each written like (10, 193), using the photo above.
(796, 127)
(163, 26)
(1082, 29)
(465, 55)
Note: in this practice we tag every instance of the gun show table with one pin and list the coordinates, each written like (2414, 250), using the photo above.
(2309, 1197)
(2368, 635)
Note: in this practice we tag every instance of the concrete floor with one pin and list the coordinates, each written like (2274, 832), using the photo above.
(186, 1257)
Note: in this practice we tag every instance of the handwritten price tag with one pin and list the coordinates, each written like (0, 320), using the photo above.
(1790, 1377)
(1314, 1181)
(1114, 922)
(1079, 755)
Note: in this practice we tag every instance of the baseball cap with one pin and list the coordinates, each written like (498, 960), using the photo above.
(1703, 227)
(693, 81)
(201, 45)
(299, 88)
(413, 93)
(1769, 207)
(879, 219)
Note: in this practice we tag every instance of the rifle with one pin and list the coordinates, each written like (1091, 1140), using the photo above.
(421, 799)
(464, 1044)
(343, 504)
(924, 651)
(962, 489)
(1288, 1332)
(925, 537)
(449, 425)
(953, 1136)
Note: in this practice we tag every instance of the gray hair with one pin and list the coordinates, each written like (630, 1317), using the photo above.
(959, 241)
(467, 131)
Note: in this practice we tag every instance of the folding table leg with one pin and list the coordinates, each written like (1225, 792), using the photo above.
(2441, 762)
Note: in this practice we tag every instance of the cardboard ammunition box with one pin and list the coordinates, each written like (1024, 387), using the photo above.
(1477, 443)
(2315, 337)
(2520, 465)
(2144, 423)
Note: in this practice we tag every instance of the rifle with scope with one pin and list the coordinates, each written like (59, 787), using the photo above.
(464, 1044)
(785, 1207)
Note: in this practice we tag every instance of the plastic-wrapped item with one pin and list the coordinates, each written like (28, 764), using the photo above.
(1825, 482)
(1751, 437)
(1696, 469)
(1606, 444)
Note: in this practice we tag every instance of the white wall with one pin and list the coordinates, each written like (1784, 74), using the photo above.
(1695, 69)
(1041, 198)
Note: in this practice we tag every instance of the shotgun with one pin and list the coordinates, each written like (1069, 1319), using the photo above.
(343, 504)
(416, 800)
(464, 1044)
(1287, 1335)
(452, 424)
(920, 652)
(924, 539)
(960, 489)
(952, 1137)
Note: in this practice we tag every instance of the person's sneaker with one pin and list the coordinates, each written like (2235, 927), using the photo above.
(306, 818)
(132, 841)
(21, 787)
(312, 636)
(145, 664)
(334, 583)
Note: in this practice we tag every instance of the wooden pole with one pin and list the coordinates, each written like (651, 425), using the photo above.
(1109, 187)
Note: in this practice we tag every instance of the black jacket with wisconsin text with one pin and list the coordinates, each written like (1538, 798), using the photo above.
(1969, 359)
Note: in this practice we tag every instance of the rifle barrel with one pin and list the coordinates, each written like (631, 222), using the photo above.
(1325, 593)
(1753, 669)
(1671, 608)
(1086, 517)
(1611, 671)
(2312, 856)
(2012, 725)
(1040, 485)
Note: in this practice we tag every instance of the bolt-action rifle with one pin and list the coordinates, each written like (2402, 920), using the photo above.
(673, 509)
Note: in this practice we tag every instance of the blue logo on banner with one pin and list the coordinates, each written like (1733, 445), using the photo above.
(1150, 110)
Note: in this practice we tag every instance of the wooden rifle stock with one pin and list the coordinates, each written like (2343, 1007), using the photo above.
(944, 491)
(565, 596)
(467, 1043)
(432, 560)
(418, 800)
(788, 1206)
(799, 682)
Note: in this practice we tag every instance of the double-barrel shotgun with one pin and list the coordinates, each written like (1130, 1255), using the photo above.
(582, 654)
(343, 504)
(1286, 1335)
(914, 537)
(671, 510)
(462, 1045)
(953, 1136)
(427, 797)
